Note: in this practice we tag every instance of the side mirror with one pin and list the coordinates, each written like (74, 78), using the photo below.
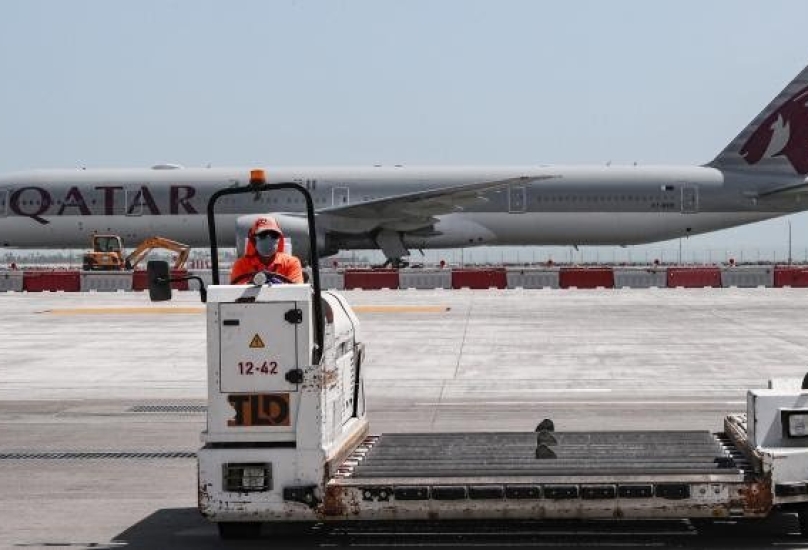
(159, 280)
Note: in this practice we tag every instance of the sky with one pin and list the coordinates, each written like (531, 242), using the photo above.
(430, 82)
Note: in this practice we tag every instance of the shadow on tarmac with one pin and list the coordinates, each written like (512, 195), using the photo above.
(185, 528)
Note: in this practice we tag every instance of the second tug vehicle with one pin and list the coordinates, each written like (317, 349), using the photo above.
(287, 434)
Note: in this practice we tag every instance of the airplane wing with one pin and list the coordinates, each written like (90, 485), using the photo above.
(412, 211)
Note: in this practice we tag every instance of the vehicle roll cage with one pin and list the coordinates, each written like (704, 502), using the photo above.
(314, 259)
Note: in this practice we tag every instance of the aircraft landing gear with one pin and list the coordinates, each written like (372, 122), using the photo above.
(395, 263)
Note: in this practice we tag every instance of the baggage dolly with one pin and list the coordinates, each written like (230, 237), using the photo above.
(287, 434)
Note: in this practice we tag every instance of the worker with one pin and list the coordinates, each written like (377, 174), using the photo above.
(264, 252)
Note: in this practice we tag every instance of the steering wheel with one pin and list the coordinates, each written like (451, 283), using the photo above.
(272, 277)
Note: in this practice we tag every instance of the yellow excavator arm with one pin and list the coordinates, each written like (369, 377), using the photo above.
(137, 255)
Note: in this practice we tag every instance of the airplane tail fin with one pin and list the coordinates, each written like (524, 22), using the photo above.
(776, 140)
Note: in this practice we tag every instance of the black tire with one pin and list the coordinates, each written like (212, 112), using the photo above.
(239, 530)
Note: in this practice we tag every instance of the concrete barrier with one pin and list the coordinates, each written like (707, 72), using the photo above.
(627, 277)
(371, 279)
(425, 278)
(11, 281)
(597, 277)
(531, 277)
(694, 277)
(207, 277)
(479, 278)
(140, 280)
(747, 277)
(332, 279)
(51, 281)
(796, 277)
(106, 281)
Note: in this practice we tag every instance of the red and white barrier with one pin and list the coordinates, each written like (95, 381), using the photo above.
(371, 279)
(11, 281)
(637, 277)
(140, 281)
(105, 281)
(790, 276)
(51, 281)
(747, 277)
(332, 279)
(694, 277)
(531, 277)
(574, 277)
(479, 278)
(425, 278)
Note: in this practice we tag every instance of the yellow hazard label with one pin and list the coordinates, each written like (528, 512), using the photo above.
(257, 342)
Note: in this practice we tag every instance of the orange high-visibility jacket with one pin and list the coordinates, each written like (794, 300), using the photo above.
(280, 262)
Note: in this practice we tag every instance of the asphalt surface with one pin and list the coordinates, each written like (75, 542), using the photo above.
(102, 395)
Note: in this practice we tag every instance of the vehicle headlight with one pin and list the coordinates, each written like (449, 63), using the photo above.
(795, 423)
(246, 478)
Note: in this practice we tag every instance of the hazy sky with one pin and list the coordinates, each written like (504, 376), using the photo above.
(114, 84)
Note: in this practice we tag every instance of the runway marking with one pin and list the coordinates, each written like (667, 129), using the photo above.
(477, 402)
(124, 310)
(401, 309)
(193, 310)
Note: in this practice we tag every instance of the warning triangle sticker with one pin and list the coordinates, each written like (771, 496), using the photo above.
(257, 342)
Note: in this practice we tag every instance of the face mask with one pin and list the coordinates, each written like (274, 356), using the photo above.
(266, 246)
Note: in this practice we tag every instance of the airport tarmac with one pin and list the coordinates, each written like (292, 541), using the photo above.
(88, 374)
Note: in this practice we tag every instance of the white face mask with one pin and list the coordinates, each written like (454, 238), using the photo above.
(266, 246)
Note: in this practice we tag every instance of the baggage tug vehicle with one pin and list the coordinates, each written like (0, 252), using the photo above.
(287, 433)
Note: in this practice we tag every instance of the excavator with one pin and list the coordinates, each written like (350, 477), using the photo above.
(108, 254)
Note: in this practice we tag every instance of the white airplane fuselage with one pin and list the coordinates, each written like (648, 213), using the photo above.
(574, 205)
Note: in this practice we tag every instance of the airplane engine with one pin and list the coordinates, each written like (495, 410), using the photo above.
(295, 232)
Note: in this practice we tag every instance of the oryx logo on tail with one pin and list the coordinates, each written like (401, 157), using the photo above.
(784, 133)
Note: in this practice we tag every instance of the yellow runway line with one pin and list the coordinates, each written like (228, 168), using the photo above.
(194, 310)
(401, 309)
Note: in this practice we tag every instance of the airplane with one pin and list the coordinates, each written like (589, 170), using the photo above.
(760, 175)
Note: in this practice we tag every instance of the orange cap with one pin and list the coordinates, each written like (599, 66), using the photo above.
(266, 224)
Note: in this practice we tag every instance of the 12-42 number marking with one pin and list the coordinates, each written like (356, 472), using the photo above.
(249, 368)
